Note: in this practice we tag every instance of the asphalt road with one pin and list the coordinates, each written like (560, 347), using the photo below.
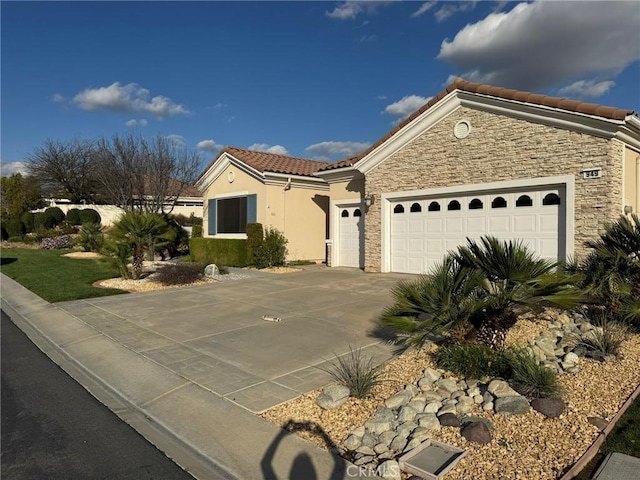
(52, 428)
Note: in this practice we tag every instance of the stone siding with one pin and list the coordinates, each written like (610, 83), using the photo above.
(501, 148)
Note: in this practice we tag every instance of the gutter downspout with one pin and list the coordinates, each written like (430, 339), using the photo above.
(284, 205)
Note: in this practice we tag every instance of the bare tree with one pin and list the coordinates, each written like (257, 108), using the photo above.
(136, 173)
(65, 169)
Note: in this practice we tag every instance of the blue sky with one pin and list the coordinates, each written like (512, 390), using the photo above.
(311, 79)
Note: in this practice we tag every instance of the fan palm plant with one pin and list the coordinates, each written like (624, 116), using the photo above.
(432, 304)
(138, 231)
(510, 280)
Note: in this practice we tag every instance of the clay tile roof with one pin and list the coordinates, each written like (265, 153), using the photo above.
(612, 113)
(273, 162)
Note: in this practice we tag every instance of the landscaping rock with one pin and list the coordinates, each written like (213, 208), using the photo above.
(417, 405)
(515, 405)
(447, 409)
(431, 375)
(413, 443)
(406, 414)
(570, 359)
(386, 437)
(398, 400)
(363, 460)
(472, 419)
(421, 434)
(463, 408)
(398, 443)
(449, 420)
(598, 422)
(333, 396)
(381, 448)
(211, 270)
(500, 388)
(369, 440)
(389, 470)
(430, 421)
(446, 384)
(365, 450)
(406, 429)
(432, 407)
(377, 426)
(550, 407)
(352, 442)
(487, 407)
(476, 432)
(431, 396)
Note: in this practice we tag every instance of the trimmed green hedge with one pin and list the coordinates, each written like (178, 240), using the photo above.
(230, 252)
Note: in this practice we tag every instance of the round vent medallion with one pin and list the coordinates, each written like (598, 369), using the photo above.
(231, 177)
(462, 129)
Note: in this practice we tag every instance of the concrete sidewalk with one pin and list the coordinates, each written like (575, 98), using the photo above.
(172, 379)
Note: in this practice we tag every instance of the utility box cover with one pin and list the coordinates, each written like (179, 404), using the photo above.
(431, 460)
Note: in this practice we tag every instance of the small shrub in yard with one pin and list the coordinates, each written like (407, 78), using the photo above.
(63, 241)
(89, 215)
(355, 371)
(73, 216)
(473, 360)
(56, 213)
(27, 219)
(255, 238)
(529, 378)
(273, 250)
(605, 340)
(43, 220)
(179, 274)
(196, 231)
(91, 237)
(5, 234)
(15, 227)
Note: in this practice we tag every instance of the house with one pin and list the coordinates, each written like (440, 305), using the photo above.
(474, 160)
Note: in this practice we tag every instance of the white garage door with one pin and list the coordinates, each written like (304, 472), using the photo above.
(351, 237)
(424, 229)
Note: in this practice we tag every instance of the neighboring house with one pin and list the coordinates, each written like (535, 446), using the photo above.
(474, 160)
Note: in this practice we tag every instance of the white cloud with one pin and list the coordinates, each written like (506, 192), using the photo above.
(57, 98)
(546, 43)
(424, 8)
(127, 98)
(587, 88)
(406, 105)
(352, 8)
(177, 140)
(326, 150)
(133, 122)
(265, 147)
(9, 168)
(450, 9)
(209, 145)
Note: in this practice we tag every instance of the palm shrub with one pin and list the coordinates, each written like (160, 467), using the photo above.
(172, 240)
(509, 280)
(612, 270)
(91, 238)
(117, 254)
(531, 379)
(138, 230)
(432, 304)
(355, 371)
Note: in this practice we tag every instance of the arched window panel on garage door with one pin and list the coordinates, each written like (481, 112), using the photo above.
(357, 213)
(476, 204)
(344, 214)
(415, 208)
(398, 208)
(499, 202)
(454, 205)
(551, 199)
(434, 207)
(524, 201)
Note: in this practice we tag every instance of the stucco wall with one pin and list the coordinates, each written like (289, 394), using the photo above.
(501, 148)
(347, 190)
(299, 213)
(242, 184)
(632, 179)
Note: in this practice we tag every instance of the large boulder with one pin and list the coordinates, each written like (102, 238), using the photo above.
(550, 407)
(333, 396)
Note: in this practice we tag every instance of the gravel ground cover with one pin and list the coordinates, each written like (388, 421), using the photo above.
(530, 446)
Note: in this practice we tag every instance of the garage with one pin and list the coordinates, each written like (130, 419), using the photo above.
(424, 228)
(351, 237)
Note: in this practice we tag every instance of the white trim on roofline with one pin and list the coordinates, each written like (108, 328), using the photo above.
(341, 174)
(298, 181)
(627, 130)
(568, 181)
(218, 168)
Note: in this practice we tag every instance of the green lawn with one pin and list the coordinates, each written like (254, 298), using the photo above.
(56, 278)
(625, 436)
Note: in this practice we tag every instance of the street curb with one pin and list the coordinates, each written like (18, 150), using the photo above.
(189, 458)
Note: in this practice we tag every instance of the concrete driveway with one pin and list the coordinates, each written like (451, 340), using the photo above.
(214, 335)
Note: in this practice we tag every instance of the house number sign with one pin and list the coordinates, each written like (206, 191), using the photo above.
(593, 173)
